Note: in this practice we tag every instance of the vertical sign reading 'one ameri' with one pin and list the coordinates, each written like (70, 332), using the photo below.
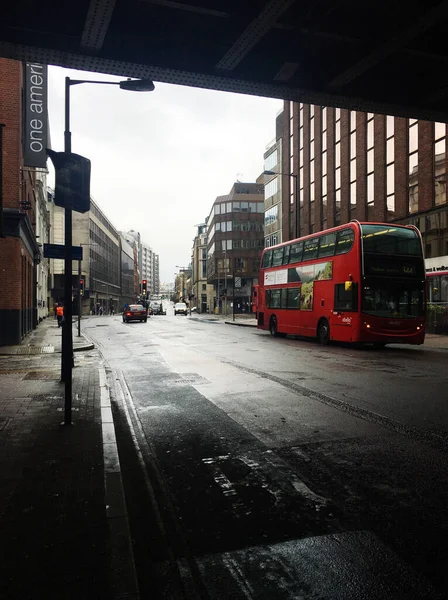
(35, 125)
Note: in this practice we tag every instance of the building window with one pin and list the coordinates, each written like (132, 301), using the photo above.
(413, 165)
(324, 162)
(337, 163)
(352, 151)
(270, 189)
(370, 160)
(271, 161)
(291, 150)
(439, 163)
(270, 216)
(390, 166)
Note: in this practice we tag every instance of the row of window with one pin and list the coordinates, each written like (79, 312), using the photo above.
(271, 240)
(344, 300)
(320, 246)
(236, 226)
(228, 207)
(221, 245)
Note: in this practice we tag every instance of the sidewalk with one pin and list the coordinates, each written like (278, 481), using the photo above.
(56, 532)
(439, 342)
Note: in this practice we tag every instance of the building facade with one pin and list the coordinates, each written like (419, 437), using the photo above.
(234, 244)
(43, 224)
(19, 252)
(274, 177)
(148, 261)
(199, 270)
(364, 166)
(128, 287)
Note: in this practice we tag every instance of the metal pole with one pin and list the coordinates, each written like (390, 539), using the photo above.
(67, 330)
(79, 298)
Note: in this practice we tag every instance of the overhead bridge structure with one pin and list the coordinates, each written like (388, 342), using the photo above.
(375, 55)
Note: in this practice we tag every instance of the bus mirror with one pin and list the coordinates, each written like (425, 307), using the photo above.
(348, 285)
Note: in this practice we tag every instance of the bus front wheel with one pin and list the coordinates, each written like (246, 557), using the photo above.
(323, 332)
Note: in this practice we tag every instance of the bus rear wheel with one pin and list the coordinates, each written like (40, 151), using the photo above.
(323, 332)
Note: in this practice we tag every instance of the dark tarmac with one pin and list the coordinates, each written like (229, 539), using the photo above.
(256, 467)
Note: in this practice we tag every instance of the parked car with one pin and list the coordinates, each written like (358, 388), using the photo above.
(180, 308)
(135, 312)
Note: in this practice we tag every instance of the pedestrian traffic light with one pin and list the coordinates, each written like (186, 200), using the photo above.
(81, 287)
(144, 287)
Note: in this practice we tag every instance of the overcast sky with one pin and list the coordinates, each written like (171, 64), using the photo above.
(159, 159)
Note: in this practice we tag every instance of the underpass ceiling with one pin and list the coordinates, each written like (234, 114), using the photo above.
(374, 55)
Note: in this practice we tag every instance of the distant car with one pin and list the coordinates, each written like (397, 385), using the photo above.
(156, 308)
(135, 312)
(180, 308)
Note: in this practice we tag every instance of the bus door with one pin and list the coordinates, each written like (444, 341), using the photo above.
(344, 316)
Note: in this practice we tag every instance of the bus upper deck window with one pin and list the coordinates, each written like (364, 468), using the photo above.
(346, 237)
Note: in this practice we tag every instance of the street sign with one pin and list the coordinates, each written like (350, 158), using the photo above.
(58, 251)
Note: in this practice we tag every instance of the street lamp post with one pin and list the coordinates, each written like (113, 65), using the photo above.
(137, 85)
(296, 194)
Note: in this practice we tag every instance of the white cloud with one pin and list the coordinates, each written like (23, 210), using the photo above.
(160, 159)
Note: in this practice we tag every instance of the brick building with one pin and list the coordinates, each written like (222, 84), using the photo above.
(355, 165)
(19, 251)
(234, 245)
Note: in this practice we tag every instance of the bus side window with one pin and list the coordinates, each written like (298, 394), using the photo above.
(345, 300)
(327, 245)
(286, 254)
(267, 259)
(277, 258)
(346, 237)
(293, 300)
(296, 252)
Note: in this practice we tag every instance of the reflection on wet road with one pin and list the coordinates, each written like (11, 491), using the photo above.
(263, 468)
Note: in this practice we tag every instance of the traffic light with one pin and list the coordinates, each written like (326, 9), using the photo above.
(72, 188)
(81, 287)
(144, 287)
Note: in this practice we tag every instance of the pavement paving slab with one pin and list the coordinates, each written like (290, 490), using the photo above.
(57, 538)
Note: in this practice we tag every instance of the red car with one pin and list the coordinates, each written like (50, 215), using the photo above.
(135, 312)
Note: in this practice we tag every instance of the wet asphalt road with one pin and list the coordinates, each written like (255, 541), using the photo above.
(275, 468)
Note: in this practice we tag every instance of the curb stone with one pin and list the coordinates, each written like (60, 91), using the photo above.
(123, 573)
(239, 324)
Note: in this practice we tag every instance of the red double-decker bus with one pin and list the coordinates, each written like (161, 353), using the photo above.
(359, 282)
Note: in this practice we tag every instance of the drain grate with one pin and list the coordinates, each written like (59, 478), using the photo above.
(43, 376)
(48, 349)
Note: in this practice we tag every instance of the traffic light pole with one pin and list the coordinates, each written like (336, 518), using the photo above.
(67, 330)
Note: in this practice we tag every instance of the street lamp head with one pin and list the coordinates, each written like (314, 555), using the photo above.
(137, 85)
(270, 173)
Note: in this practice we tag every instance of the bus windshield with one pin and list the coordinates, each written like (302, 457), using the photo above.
(382, 239)
(385, 298)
